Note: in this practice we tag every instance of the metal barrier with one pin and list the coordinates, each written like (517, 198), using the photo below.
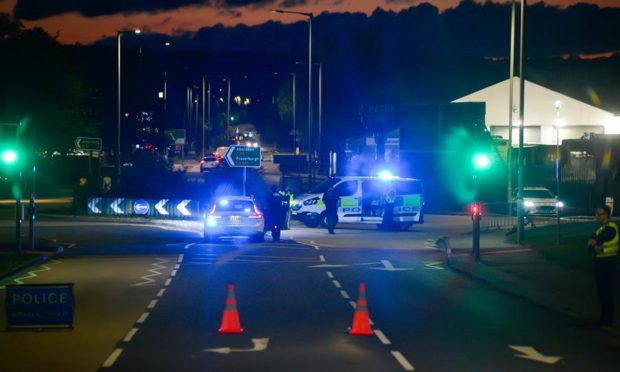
(161, 208)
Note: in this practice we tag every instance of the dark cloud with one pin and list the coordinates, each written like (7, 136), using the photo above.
(38, 9)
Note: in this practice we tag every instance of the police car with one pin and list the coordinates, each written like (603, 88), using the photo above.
(361, 201)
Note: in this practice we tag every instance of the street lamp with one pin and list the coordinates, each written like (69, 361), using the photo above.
(558, 124)
(310, 17)
(118, 102)
(294, 75)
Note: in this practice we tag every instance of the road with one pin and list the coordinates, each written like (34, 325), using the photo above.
(152, 298)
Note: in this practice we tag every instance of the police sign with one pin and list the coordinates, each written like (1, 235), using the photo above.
(40, 305)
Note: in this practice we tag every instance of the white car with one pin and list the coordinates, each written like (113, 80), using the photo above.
(539, 200)
(209, 162)
(234, 216)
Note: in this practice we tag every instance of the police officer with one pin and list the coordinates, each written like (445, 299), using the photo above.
(330, 199)
(388, 209)
(604, 247)
(276, 213)
(287, 197)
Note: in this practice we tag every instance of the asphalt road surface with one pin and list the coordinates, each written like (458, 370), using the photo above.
(152, 298)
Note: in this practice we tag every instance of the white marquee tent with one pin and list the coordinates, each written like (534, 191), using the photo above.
(545, 110)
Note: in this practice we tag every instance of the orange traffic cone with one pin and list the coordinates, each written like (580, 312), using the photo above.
(230, 319)
(361, 319)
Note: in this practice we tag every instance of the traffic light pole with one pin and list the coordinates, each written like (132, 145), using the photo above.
(476, 216)
(18, 212)
(32, 207)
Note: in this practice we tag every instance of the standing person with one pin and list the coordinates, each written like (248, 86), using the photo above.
(287, 198)
(388, 209)
(275, 213)
(604, 246)
(330, 199)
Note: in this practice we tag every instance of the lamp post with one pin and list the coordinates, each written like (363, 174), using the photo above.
(118, 101)
(310, 17)
(320, 88)
(520, 210)
(558, 124)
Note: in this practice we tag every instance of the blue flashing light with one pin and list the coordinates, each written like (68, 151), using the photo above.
(211, 221)
(386, 175)
(224, 202)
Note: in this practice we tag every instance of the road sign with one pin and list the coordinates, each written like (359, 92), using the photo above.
(243, 156)
(39, 305)
(88, 144)
(178, 135)
(141, 206)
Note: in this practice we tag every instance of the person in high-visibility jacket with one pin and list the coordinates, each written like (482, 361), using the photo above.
(604, 247)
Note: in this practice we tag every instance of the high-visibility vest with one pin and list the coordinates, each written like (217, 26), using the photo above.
(610, 248)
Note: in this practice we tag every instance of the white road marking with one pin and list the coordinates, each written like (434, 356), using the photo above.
(181, 256)
(161, 292)
(336, 284)
(316, 247)
(389, 267)
(345, 294)
(32, 274)
(112, 358)
(260, 344)
(528, 352)
(167, 283)
(188, 245)
(143, 317)
(173, 273)
(155, 272)
(130, 334)
(384, 340)
(152, 304)
(322, 258)
(330, 275)
(403, 361)
(177, 266)
(433, 265)
(353, 305)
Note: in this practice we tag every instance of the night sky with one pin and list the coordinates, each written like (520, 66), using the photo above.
(77, 21)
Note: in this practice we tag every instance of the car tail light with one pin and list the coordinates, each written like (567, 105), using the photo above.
(257, 214)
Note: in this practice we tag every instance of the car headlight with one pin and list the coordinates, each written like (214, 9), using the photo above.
(295, 205)
(528, 204)
(559, 204)
(211, 221)
(312, 201)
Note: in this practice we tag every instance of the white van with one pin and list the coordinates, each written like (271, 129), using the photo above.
(361, 201)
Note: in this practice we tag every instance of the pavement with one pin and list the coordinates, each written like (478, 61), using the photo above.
(524, 272)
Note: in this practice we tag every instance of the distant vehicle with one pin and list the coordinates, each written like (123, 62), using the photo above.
(361, 201)
(540, 200)
(209, 162)
(234, 216)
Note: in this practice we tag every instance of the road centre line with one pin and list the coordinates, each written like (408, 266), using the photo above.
(336, 283)
(403, 361)
(173, 273)
(322, 258)
(177, 266)
(152, 304)
(112, 358)
(130, 334)
(353, 305)
(143, 317)
(345, 294)
(181, 256)
(381, 336)
(167, 283)
(161, 292)
(330, 275)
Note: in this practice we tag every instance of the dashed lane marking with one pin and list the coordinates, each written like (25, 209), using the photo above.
(322, 258)
(154, 272)
(177, 266)
(353, 305)
(152, 304)
(181, 256)
(161, 292)
(130, 334)
(344, 294)
(336, 284)
(112, 358)
(330, 275)
(173, 273)
(167, 283)
(384, 340)
(403, 361)
(143, 317)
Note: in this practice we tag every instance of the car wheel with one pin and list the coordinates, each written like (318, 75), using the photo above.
(313, 221)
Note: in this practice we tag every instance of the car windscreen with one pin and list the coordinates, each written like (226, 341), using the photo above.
(324, 186)
(538, 194)
(234, 206)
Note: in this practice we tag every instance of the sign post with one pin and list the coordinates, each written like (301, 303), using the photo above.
(89, 144)
(245, 157)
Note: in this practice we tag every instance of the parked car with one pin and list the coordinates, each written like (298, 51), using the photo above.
(234, 216)
(540, 200)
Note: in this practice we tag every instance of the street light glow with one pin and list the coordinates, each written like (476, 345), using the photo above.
(9, 156)
(481, 161)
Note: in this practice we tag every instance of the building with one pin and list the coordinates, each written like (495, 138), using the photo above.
(545, 112)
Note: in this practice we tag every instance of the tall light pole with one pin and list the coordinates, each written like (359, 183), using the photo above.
(228, 114)
(558, 124)
(320, 88)
(511, 106)
(118, 100)
(310, 149)
(520, 211)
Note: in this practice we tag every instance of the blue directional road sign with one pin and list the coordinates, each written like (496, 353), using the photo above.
(141, 206)
(243, 156)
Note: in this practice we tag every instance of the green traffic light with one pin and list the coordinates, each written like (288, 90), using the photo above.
(9, 156)
(481, 161)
